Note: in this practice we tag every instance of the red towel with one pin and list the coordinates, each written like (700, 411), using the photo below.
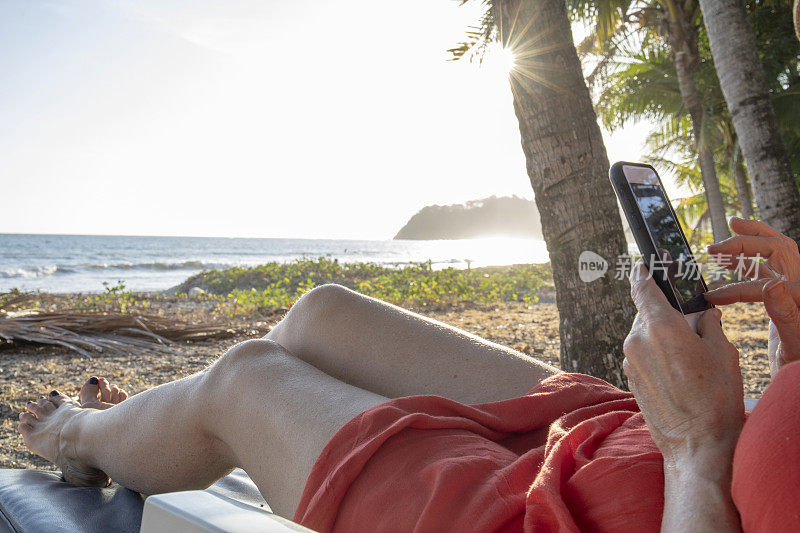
(573, 454)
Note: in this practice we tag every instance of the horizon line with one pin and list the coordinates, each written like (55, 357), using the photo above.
(190, 236)
(515, 237)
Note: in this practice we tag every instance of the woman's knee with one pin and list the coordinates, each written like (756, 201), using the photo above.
(312, 309)
(247, 361)
(325, 298)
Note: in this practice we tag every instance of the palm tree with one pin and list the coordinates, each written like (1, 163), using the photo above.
(681, 35)
(745, 87)
(568, 169)
(672, 148)
(733, 154)
(676, 22)
(640, 82)
(743, 186)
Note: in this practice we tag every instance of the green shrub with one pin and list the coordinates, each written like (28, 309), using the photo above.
(274, 285)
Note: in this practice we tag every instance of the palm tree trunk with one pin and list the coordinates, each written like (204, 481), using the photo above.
(682, 39)
(568, 169)
(741, 76)
(743, 189)
(716, 206)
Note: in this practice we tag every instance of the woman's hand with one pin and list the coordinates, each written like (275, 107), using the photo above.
(689, 390)
(688, 385)
(756, 239)
(775, 282)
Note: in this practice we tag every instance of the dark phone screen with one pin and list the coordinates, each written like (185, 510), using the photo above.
(675, 257)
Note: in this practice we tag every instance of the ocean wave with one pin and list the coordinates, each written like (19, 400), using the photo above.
(30, 272)
(156, 265)
(45, 271)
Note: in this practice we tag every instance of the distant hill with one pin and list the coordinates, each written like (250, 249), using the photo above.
(489, 217)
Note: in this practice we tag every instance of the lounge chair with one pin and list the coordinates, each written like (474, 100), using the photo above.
(37, 501)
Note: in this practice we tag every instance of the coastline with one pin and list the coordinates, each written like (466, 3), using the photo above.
(73, 263)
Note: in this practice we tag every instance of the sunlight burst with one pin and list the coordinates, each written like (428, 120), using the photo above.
(503, 58)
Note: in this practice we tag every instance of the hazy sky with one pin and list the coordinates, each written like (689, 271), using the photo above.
(263, 118)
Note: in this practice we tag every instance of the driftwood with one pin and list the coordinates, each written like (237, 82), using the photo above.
(86, 332)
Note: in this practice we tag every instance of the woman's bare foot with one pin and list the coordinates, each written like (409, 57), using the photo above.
(50, 429)
(96, 393)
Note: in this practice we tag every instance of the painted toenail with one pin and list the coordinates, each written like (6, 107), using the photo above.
(54, 393)
(93, 381)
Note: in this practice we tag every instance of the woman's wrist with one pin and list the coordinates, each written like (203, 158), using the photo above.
(697, 489)
(712, 461)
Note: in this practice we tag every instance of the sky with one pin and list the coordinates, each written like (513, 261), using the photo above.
(250, 118)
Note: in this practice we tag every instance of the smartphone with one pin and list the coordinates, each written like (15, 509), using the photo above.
(660, 238)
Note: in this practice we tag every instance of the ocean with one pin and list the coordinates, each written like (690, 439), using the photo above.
(81, 263)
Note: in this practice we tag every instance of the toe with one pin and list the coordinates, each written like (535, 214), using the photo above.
(40, 408)
(114, 394)
(90, 391)
(24, 429)
(35, 408)
(105, 390)
(45, 406)
(123, 395)
(27, 418)
(57, 398)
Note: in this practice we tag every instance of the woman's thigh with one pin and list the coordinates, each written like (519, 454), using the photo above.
(393, 352)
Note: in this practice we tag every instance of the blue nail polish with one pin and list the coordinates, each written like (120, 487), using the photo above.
(93, 381)
(54, 393)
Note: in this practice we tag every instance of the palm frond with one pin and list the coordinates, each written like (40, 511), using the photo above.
(479, 36)
(85, 333)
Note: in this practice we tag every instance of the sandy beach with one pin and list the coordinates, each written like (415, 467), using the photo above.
(28, 371)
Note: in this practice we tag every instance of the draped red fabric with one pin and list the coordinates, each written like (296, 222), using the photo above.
(573, 454)
(766, 466)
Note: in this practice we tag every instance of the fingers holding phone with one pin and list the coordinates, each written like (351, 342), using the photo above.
(756, 239)
(688, 385)
(784, 314)
(776, 283)
(654, 308)
(647, 296)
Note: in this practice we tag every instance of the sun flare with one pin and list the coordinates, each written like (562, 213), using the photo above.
(503, 58)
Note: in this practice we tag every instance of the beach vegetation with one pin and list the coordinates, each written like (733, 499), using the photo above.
(278, 285)
(270, 289)
(116, 297)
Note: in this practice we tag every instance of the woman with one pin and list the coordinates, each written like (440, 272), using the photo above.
(326, 416)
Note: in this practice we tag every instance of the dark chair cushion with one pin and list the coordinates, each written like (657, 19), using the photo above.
(34, 501)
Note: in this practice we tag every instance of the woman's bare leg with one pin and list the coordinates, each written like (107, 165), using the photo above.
(263, 409)
(257, 407)
(393, 352)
